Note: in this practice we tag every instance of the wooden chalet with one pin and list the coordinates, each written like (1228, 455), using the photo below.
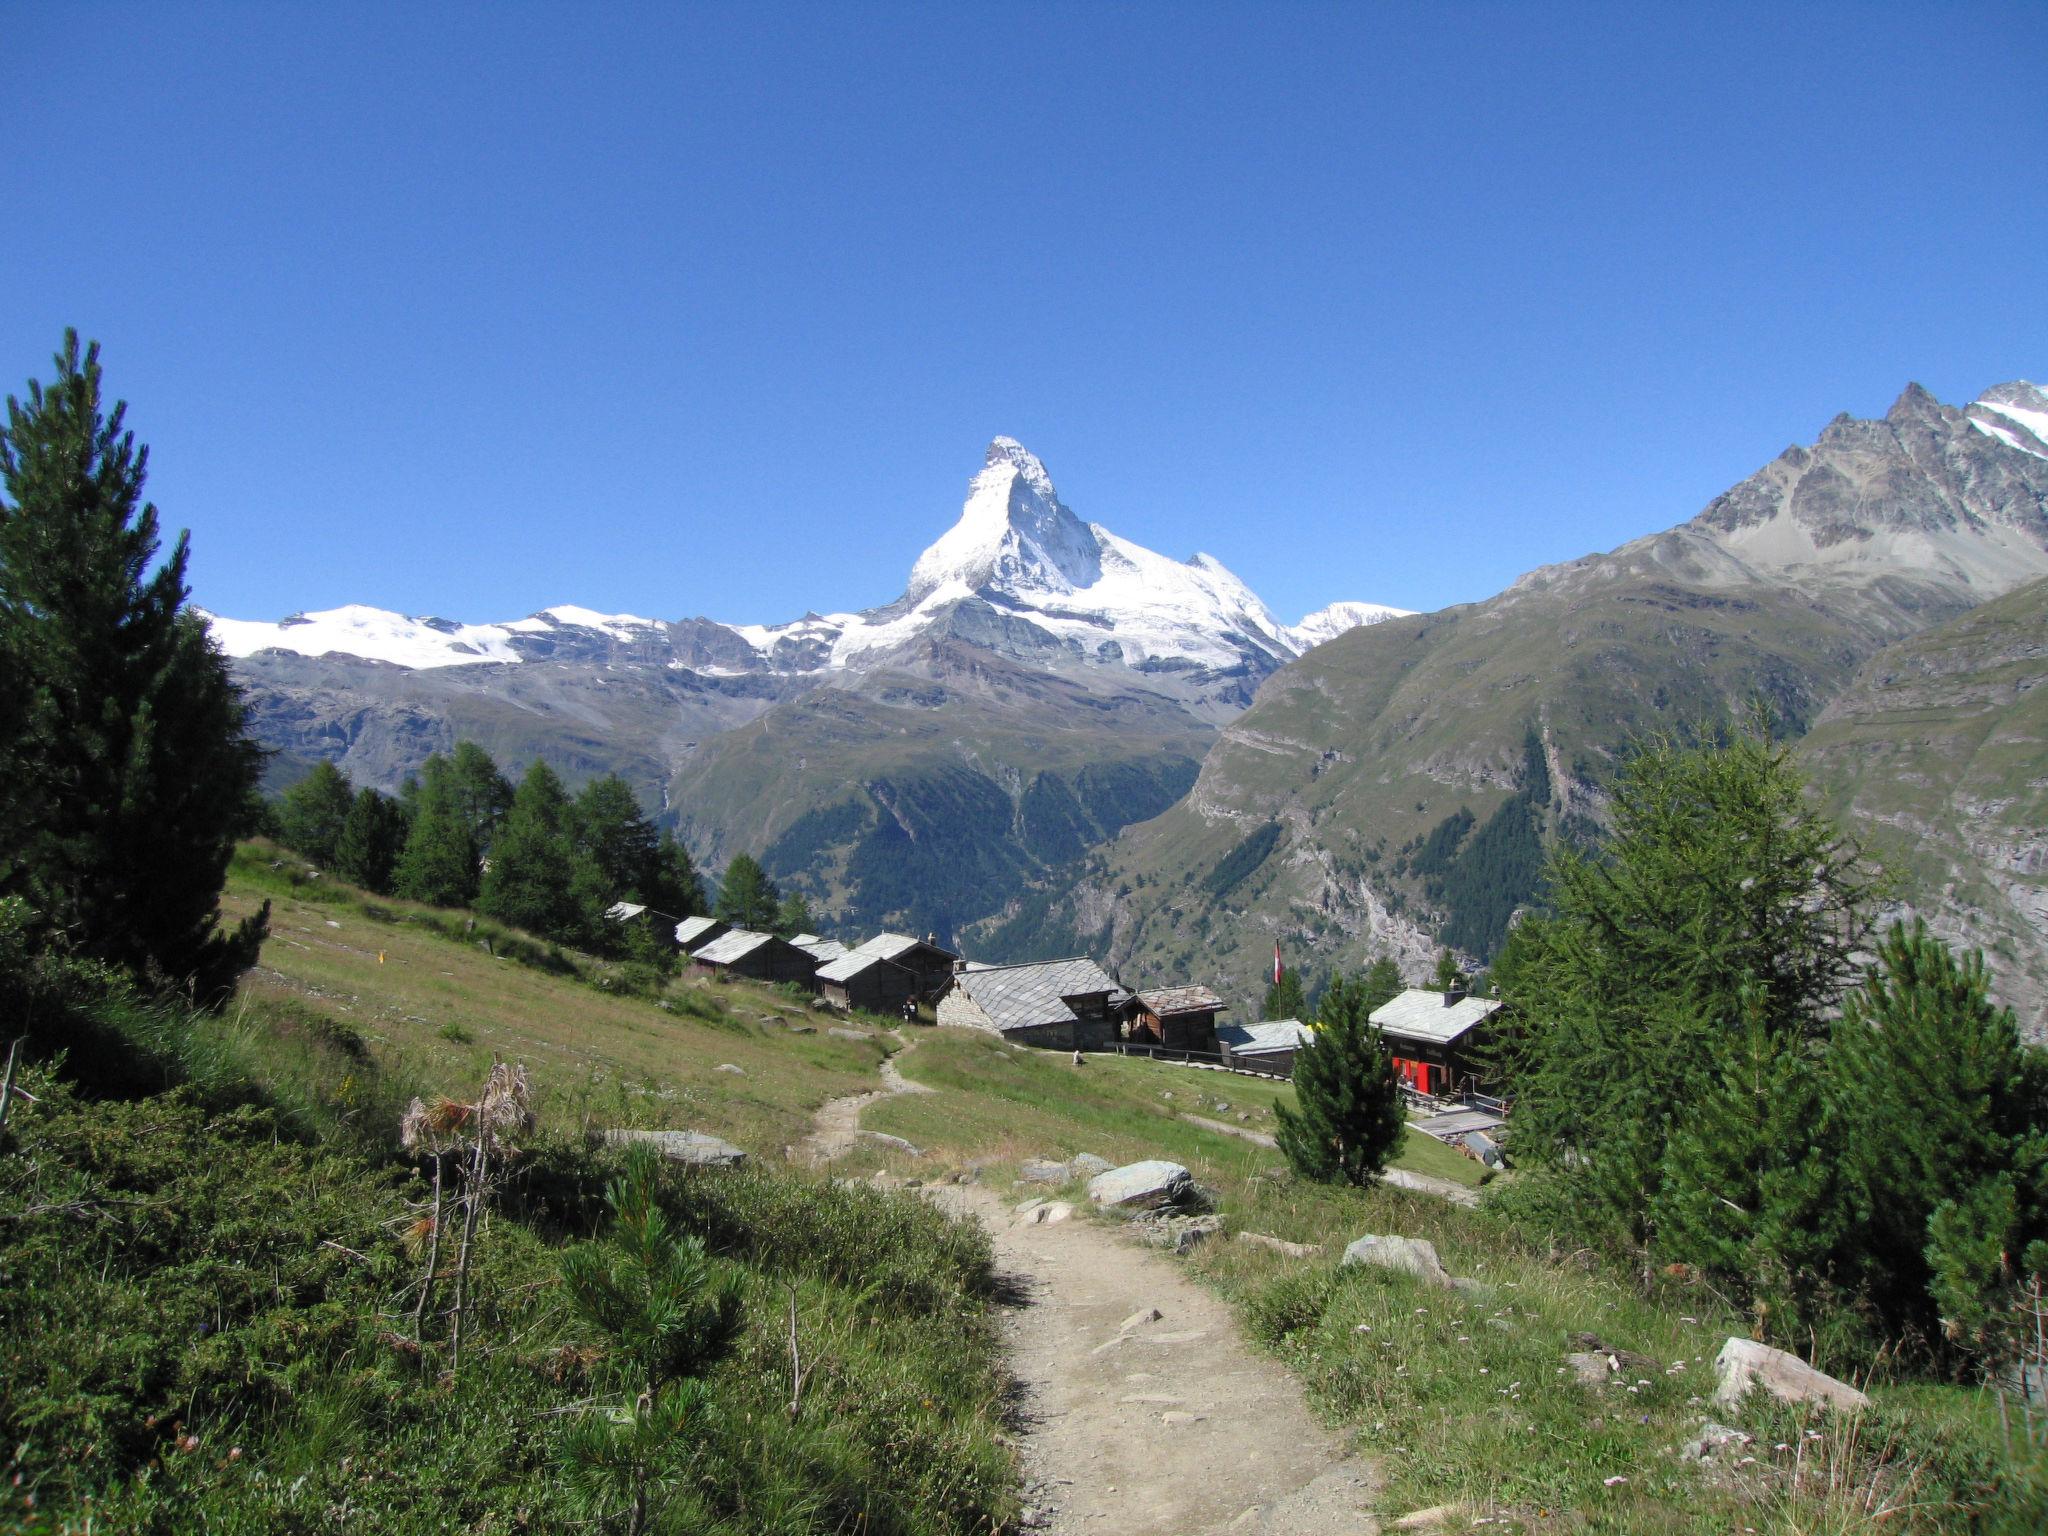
(756, 956)
(1178, 1018)
(1060, 1004)
(1436, 1037)
(1267, 1047)
(693, 933)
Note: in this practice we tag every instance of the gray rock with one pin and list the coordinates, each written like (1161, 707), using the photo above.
(1087, 1165)
(1142, 1186)
(1178, 1233)
(1712, 1438)
(849, 1034)
(1592, 1370)
(1038, 1170)
(894, 1143)
(1410, 1255)
(1485, 1148)
(692, 1147)
(726, 1066)
(1281, 1245)
(1744, 1365)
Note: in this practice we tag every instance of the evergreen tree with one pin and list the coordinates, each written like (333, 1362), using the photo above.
(669, 1312)
(127, 773)
(1348, 1121)
(677, 888)
(1748, 1194)
(532, 860)
(372, 837)
(439, 864)
(1947, 1141)
(1447, 975)
(313, 812)
(1284, 999)
(482, 796)
(620, 841)
(1720, 899)
(747, 898)
(1382, 983)
(793, 916)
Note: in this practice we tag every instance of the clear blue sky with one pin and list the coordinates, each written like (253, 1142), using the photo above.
(713, 309)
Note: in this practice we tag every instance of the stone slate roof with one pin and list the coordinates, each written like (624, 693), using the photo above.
(1272, 1035)
(820, 950)
(624, 911)
(1421, 1015)
(1019, 996)
(889, 947)
(691, 930)
(1180, 1000)
(736, 945)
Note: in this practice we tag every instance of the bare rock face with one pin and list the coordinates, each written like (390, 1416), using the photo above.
(1411, 1255)
(1744, 1364)
(696, 1148)
(1142, 1186)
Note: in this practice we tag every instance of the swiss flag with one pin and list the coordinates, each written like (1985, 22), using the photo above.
(1276, 965)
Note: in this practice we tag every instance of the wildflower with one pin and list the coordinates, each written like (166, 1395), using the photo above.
(1611, 1481)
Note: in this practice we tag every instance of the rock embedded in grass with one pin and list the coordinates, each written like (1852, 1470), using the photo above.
(696, 1148)
(1744, 1364)
(1410, 1255)
(1142, 1186)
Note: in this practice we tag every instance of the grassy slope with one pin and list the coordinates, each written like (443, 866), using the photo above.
(433, 1012)
(1463, 1399)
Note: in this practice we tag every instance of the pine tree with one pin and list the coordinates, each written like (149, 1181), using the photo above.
(1284, 999)
(1942, 1102)
(1447, 975)
(1382, 983)
(532, 860)
(747, 898)
(619, 840)
(127, 773)
(313, 812)
(793, 916)
(439, 863)
(1348, 1120)
(669, 1314)
(372, 837)
(677, 888)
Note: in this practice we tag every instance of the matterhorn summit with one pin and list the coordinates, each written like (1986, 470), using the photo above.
(1014, 534)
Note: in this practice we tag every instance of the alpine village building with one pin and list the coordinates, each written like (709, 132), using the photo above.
(1064, 1005)
(1436, 1038)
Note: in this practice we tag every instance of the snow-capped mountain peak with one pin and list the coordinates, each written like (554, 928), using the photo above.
(1014, 534)
(1328, 623)
(2015, 414)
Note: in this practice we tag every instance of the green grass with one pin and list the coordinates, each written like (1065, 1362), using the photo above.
(431, 1009)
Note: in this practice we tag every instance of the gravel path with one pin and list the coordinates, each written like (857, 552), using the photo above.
(1145, 1412)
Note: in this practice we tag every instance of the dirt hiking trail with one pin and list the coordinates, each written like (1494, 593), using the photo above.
(1143, 1411)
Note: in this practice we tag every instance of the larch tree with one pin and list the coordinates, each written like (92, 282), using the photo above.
(313, 812)
(747, 898)
(372, 837)
(532, 860)
(439, 862)
(127, 771)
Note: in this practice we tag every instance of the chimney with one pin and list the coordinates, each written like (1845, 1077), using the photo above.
(1454, 994)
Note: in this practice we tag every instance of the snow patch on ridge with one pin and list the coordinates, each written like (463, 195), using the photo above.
(371, 634)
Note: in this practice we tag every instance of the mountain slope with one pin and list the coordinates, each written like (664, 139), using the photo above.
(1411, 770)
(1936, 756)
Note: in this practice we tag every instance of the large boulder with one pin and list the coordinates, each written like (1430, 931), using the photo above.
(693, 1147)
(1744, 1364)
(1410, 1255)
(1087, 1164)
(1143, 1186)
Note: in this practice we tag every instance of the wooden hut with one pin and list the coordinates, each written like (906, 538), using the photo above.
(1435, 1038)
(885, 973)
(1266, 1047)
(693, 933)
(1177, 1018)
(756, 956)
(1061, 1004)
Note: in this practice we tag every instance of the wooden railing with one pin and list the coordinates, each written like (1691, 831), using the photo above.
(1212, 1061)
